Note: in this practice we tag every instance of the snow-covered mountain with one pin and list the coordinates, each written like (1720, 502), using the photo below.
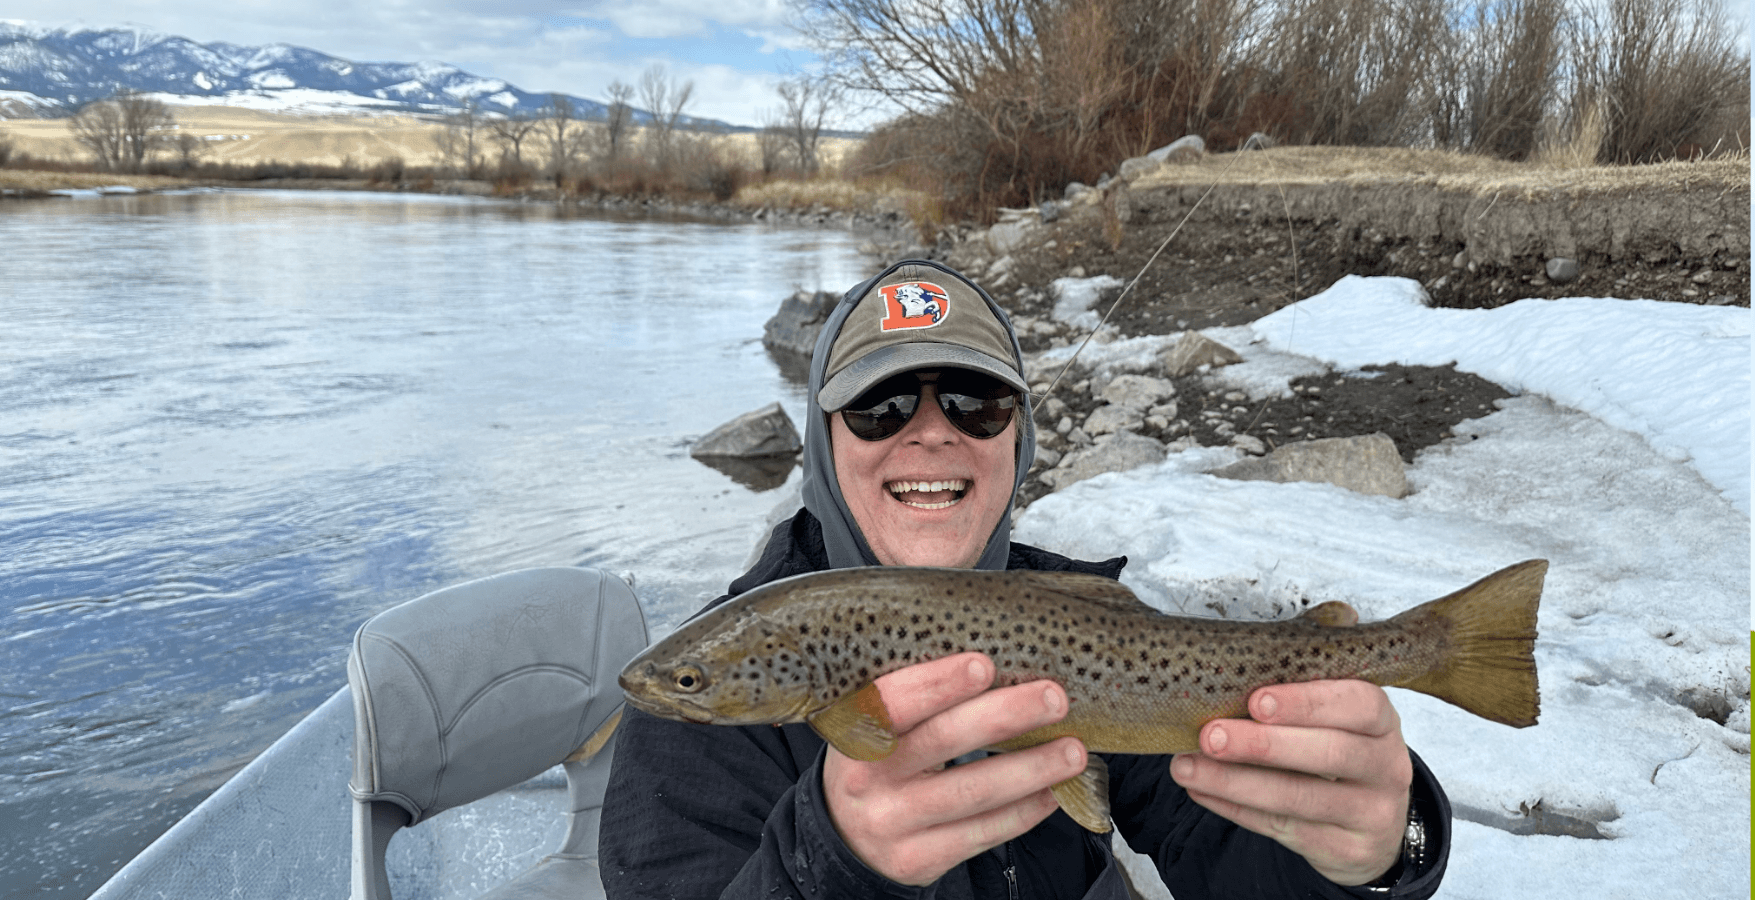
(51, 72)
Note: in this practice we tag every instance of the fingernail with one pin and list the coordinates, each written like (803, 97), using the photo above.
(1217, 739)
(975, 671)
(1267, 705)
(1051, 699)
(1181, 767)
(1072, 756)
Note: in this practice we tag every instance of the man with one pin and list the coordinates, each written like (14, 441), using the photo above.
(917, 436)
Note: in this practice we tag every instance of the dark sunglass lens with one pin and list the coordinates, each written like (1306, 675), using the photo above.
(980, 417)
(881, 419)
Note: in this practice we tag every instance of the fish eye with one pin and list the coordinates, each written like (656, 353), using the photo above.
(688, 679)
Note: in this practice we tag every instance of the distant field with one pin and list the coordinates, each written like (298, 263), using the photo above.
(246, 136)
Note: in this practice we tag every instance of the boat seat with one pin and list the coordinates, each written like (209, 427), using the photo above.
(471, 689)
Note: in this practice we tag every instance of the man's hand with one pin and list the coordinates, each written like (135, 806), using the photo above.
(911, 819)
(1321, 768)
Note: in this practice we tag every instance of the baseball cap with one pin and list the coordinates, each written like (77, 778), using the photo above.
(916, 317)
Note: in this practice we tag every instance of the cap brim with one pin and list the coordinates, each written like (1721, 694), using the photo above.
(868, 370)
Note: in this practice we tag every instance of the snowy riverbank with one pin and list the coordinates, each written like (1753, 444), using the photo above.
(1624, 461)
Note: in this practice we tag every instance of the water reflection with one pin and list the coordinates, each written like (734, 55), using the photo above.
(233, 425)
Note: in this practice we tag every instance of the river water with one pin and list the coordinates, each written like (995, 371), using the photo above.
(234, 425)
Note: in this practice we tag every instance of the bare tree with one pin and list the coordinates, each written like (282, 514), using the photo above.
(618, 117)
(564, 134)
(664, 102)
(123, 130)
(774, 146)
(805, 104)
(511, 131)
(189, 149)
(462, 140)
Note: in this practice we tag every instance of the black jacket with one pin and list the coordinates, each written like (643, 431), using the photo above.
(699, 811)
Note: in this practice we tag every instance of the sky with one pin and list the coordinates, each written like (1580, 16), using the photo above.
(1623, 459)
(735, 51)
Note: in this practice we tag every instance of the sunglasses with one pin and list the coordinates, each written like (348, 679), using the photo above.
(978, 405)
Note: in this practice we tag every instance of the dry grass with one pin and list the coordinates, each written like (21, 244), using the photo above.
(32, 181)
(1443, 169)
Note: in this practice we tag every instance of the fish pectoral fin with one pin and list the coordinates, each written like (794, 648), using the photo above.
(858, 725)
(598, 738)
(1333, 614)
(1085, 797)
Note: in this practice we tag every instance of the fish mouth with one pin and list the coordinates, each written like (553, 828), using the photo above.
(669, 708)
(924, 494)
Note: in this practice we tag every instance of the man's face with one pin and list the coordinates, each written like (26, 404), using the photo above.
(887, 486)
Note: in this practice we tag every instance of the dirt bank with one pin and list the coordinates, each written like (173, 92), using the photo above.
(1288, 223)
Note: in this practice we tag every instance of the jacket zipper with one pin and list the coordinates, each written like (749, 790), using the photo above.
(1011, 873)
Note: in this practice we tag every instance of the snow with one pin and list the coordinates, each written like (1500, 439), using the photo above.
(293, 100)
(1624, 462)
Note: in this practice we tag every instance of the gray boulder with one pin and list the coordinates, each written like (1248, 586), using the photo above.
(765, 432)
(1369, 465)
(1188, 148)
(1116, 452)
(1195, 350)
(1139, 392)
(1258, 141)
(1112, 418)
(1562, 270)
(1137, 166)
(794, 328)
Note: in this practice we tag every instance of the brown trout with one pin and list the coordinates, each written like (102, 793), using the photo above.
(807, 649)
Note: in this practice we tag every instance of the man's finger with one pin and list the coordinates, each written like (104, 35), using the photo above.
(918, 692)
(1327, 752)
(1350, 705)
(1275, 795)
(981, 721)
(998, 781)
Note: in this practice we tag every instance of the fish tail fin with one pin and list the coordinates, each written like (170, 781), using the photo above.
(1489, 667)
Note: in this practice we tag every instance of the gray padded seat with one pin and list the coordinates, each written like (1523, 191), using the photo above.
(472, 689)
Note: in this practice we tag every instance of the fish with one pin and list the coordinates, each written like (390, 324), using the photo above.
(809, 649)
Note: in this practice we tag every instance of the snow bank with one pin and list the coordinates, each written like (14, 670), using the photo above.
(1676, 373)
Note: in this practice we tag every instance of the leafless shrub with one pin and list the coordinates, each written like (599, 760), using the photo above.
(7, 148)
(1503, 78)
(1663, 74)
(563, 135)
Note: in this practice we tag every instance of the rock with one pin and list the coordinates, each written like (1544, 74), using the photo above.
(1562, 270)
(1460, 259)
(1110, 419)
(1049, 211)
(765, 432)
(1138, 392)
(1001, 266)
(1117, 452)
(1005, 237)
(794, 328)
(1195, 350)
(1167, 410)
(1064, 426)
(1369, 465)
(1046, 458)
(1249, 444)
(1188, 148)
(758, 473)
(1137, 166)
(1076, 190)
(1258, 141)
(1701, 277)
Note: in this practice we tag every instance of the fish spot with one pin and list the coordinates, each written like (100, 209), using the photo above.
(1142, 680)
(1085, 647)
(945, 646)
(1209, 688)
(1053, 641)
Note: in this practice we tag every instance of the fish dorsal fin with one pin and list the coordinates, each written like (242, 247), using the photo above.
(858, 725)
(1093, 588)
(1333, 614)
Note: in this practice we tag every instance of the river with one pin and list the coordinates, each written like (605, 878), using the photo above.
(233, 425)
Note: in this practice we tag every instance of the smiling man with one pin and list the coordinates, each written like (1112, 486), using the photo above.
(916, 440)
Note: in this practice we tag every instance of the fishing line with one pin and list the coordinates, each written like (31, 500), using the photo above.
(1136, 279)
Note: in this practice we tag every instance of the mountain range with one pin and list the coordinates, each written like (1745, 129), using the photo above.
(52, 72)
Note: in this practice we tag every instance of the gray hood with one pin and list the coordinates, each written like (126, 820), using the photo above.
(842, 539)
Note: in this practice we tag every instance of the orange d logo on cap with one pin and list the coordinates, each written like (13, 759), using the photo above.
(913, 304)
